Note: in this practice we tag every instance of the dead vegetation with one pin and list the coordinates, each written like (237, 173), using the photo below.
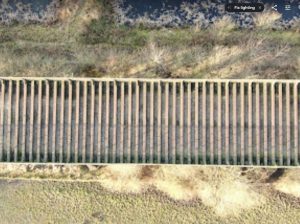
(228, 191)
(20, 11)
(78, 13)
(289, 183)
(86, 41)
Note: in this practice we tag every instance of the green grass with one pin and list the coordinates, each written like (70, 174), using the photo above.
(103, 48)
(87, 202)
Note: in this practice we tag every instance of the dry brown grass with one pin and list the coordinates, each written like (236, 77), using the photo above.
(266, 20)
(67, 10)
(79, 12)
(228, 191)
(289, 183)
(72, 17)
(22, 11)
(85, 43)
(120, 178)
(226, 23)
(225, 190)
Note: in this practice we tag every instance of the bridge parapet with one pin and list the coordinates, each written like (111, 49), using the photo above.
(192, 121)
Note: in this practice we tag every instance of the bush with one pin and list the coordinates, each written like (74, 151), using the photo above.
(105, 30)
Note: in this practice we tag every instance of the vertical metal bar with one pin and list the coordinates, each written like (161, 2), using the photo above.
(296, 120)
(144, 122)
(8, 131)
(62, 116)
(257, 125)
(189, 121)
(122, 122)
(288, 124)
(174, 123)
(204, 122)
(273, 125)
(31, 122)
(114, 151)
(181, 122)
(23, 141)
(16, 134)
(151, 121)
(219, 123)
(39, 121)
(159, 108)
(76, 140)
(92, 121)
(227, 127)
(2, 119)
(69, 124)
(84, 122)
(242, 94)
(265, 123)
(54, 121)
(46, 131)
(280, 123)
(107, 128)
(166, 122)
(99, 123)
(196, 153)
(137, 113)
(234, 120)
(129, 120)
(250, 115)
(211, 123)
(250, 155)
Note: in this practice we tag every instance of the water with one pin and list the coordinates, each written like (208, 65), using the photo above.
(140, 7)
(35, 5)
(164, 12)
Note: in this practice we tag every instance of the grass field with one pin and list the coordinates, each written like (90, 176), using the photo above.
(148, 194)
(86, 41)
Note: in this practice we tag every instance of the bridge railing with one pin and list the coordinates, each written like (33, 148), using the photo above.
(192, 121)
